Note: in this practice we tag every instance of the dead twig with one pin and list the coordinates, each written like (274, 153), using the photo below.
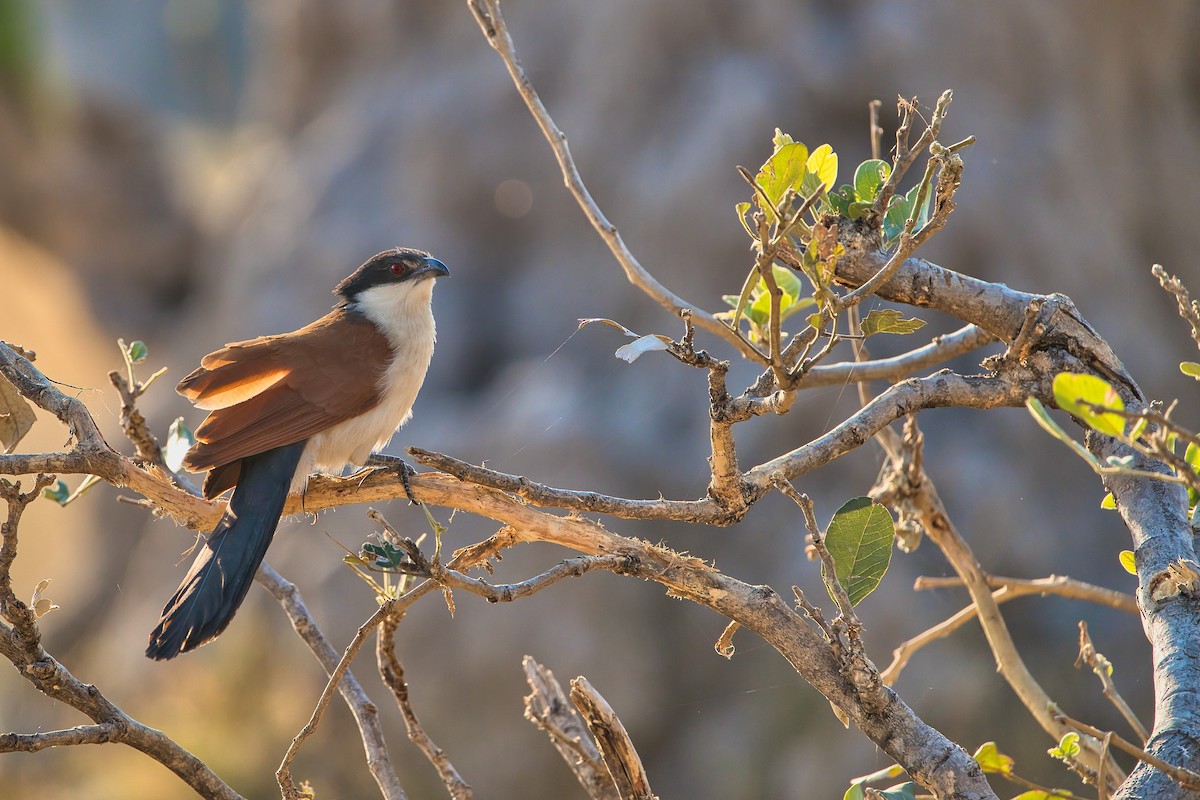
(548, 707)
(616, 748)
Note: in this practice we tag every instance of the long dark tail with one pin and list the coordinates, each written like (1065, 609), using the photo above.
(220, 576)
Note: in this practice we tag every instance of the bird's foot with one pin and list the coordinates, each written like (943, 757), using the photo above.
(379, 460)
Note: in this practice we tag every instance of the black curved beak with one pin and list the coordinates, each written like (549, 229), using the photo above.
(431, 268)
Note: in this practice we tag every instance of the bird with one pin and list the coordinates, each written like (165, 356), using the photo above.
(282, 407)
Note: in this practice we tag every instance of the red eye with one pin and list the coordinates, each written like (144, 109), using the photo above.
(397, 268)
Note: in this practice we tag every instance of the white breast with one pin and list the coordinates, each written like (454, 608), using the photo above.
(404, 313)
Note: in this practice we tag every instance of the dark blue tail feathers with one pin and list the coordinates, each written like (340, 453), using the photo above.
(220, 576)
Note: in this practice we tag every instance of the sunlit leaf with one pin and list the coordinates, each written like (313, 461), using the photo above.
(1037, 794)
(889, 321)
(782, 171)
(1190, 368)
(1077, 393)
(1068, 747)
(787, 280)
(1109, 502)
(860, 540)
(759, 311)
(992, 760)
(819, 171)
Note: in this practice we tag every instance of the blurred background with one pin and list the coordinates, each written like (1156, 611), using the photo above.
(192, 172)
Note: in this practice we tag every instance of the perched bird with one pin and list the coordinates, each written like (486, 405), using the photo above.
(282, 407)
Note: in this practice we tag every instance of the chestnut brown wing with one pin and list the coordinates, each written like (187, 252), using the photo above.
(276, 390)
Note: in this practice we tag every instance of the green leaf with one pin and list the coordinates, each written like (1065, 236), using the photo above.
(868, 178)
(1109, 502)
(922, 213)
(895, 218)
(992, 760)
(743, 298)
(787, 280)
(782, 171)
(889, 321)
(1068, 747)
(901, 791)
(857, 209)
(1076, 393)
(1037, 794)
(137, 352)
(796, 305)
(1190, 368)
(839, 201)
(860, 540)
(759, 311)
(1192, 456)
(1139, 428)
(58, 493)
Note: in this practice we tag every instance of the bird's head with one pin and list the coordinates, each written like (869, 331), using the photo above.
(398, 267)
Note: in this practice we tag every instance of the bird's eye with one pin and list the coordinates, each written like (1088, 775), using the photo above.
(397, 268)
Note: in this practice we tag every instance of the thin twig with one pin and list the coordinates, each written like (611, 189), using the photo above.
(1060, 585)
(491, 22)
(1189, 309)
(366, 714)
(283, 774)
(392, 673)
(1088, 654)
(1186, 777)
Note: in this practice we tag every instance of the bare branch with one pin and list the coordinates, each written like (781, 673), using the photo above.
(366, 714)
(283, 774)
(941, 349)
(620, 756)
(1060, 585)
(1088, 654)
(393, 677)
(547, 707)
